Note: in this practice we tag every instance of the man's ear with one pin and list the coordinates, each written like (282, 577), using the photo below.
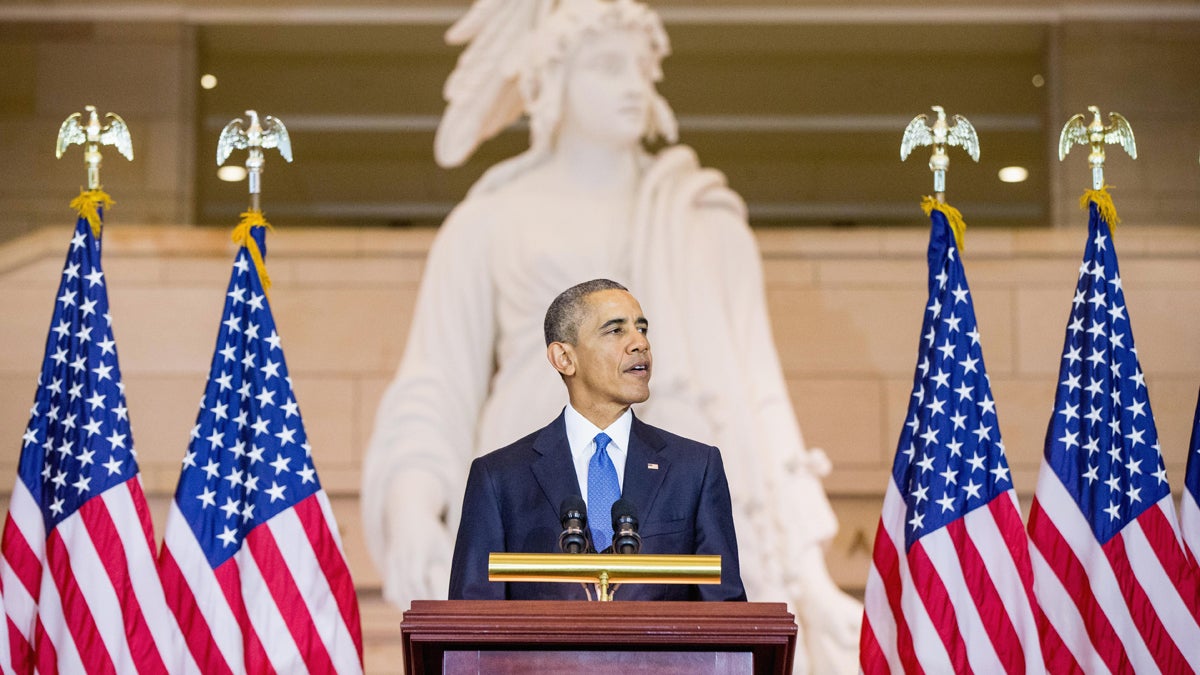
(562, 356)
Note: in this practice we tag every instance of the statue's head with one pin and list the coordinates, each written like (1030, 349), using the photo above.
(591, 67)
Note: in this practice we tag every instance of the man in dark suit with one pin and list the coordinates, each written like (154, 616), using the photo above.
(596, 340)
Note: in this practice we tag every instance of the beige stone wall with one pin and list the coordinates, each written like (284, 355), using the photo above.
(846, 307)
(142, 71)
(1148, 73)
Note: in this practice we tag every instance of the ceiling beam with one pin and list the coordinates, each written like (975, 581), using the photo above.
(730, 14)
(694, 123)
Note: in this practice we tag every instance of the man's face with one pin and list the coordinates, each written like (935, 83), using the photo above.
(611, 355)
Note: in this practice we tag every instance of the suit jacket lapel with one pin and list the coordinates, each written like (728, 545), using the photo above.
(554, 469)
(645, 468)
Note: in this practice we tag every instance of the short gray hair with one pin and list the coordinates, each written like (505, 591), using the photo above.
(566, 312)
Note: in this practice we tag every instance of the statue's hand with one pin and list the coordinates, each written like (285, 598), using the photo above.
(418, 540)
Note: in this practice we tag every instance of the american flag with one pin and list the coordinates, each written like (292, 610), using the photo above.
(1112, 576)
(1189, 512)
(252, 562)
(80, 589)
(950, 585)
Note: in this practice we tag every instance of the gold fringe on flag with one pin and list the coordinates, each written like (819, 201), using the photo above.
(88, 205)
(241, 237)
(1104, 202)
(957, 224)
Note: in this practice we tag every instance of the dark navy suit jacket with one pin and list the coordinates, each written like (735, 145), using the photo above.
(513, 497)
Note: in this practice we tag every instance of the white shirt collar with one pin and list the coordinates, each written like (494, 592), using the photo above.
(581, 434)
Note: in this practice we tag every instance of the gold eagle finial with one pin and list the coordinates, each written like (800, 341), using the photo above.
(1096, 134)
(941, 134)
(92, 135)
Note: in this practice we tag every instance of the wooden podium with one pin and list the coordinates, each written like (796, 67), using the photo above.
(662, 638)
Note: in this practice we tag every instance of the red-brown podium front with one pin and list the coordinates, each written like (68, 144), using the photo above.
(527, 637)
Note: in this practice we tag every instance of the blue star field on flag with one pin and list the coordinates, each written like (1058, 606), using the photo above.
(1101, 441)
(78, 443)
(248, 458)
(950, 459)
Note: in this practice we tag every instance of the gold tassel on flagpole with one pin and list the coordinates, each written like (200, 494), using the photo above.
(1104, 202)
(957, 224)
(88, 205)
(241, 237)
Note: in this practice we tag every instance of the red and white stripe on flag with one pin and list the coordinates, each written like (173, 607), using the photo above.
(1189, 508)
(284, 603)
(1125, 606)
(958, 601)
(86, 598)
(1189, 525)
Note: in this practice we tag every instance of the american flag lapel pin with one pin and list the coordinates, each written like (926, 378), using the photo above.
(652, 466)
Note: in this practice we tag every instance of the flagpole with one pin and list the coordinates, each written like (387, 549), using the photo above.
(254, 135)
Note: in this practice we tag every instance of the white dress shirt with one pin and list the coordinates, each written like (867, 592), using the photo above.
(581, 435)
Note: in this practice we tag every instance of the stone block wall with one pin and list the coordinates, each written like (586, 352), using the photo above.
(846, 309)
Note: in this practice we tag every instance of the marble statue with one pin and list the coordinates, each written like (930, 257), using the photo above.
(587, 201)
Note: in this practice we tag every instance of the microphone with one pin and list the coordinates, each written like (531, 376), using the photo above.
(625, 525)
(573, 516)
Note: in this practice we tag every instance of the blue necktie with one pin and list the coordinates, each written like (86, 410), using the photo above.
(603, 490)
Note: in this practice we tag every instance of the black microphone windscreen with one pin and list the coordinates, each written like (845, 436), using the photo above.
(623, 508)
(572, 503)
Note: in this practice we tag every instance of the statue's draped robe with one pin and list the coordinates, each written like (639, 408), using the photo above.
(474, 375)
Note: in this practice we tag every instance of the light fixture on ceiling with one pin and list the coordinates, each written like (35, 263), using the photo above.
(208, 81)
(232, 173)
(1014, 174)
(1038, 80)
